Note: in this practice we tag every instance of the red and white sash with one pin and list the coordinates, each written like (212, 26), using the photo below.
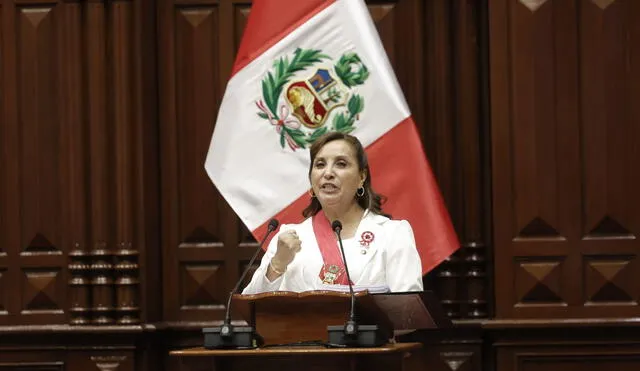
(333, 271)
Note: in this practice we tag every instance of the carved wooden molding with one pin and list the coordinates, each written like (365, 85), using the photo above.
(533, 5)
(603, 3)
(457, 361)
(108, 363)
(32, 366)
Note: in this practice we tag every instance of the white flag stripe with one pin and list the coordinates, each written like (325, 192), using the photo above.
(365, 38)
(253, 172)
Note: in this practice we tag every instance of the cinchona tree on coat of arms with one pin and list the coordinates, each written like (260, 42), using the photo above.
(306, 97)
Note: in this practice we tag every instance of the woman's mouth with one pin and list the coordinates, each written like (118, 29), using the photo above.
(329, 188)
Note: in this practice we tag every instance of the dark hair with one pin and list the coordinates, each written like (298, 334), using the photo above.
(370, 199)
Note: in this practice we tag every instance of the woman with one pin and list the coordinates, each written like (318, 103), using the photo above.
(380, 251)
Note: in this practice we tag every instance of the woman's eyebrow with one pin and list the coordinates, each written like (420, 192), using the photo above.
(338, 157)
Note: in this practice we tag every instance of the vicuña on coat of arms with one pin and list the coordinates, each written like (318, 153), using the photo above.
(306, 97)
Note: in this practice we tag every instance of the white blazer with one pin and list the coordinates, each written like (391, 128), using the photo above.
(391, 259)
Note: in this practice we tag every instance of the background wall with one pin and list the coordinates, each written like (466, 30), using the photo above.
(115, 247)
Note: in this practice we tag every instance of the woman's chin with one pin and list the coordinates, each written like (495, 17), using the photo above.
(329, 200)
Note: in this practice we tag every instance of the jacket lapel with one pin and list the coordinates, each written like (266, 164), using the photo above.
(369, 236)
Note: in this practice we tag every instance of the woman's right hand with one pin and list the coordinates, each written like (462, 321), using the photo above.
(289, 245)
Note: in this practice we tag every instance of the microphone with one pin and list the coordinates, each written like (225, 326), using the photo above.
(350, 327)
(352, 334)
(229, 336)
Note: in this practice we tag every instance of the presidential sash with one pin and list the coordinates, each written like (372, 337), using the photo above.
(333, 271)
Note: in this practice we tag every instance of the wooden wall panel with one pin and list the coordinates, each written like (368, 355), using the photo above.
(609, 77)
(74, 111)
(459, 357)
(34, 175)
(47, 359)
(198, 231)
(455, 135)
(4, 294)
(44, 361)
(4, 258)
(75, 156)
(563, 121)
(585, 358)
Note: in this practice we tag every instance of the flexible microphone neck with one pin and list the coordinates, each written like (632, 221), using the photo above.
(337, 227)
(273, 225)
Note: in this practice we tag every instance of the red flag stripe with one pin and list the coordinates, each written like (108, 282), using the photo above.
(270, 21)
(400, 172)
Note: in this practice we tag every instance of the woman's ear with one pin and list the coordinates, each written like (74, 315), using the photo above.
(363, 177)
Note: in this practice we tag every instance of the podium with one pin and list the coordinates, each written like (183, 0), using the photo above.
(293, 329)
(387, 357)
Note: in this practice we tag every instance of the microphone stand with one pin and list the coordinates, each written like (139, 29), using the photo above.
(352, 334)
(229, 336)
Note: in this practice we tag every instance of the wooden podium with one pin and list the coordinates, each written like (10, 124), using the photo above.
(388, 357)
(285, 320)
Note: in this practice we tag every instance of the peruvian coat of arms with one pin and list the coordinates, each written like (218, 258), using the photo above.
(305, 97)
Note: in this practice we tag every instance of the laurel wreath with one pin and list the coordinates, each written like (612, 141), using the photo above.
(349, 69)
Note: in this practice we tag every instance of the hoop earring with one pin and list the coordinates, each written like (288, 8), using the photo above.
(311, 194)
(360, 192)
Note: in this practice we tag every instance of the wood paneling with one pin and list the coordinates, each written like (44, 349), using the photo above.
(566, 345)
(455, 134)
(197, 227)
(457, 353)
(34, 173)
(526, 109)
(563, 124)
(582, 358)
(62, 347)
(74, 147)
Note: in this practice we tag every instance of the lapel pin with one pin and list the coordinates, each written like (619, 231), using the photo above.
(365, 240)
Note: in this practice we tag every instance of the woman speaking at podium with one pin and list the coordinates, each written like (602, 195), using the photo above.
(380, 252)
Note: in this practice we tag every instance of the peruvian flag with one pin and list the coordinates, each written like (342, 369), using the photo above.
(305, 68)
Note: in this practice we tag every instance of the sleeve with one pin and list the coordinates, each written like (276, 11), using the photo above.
(403, 265)
(259, 282)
